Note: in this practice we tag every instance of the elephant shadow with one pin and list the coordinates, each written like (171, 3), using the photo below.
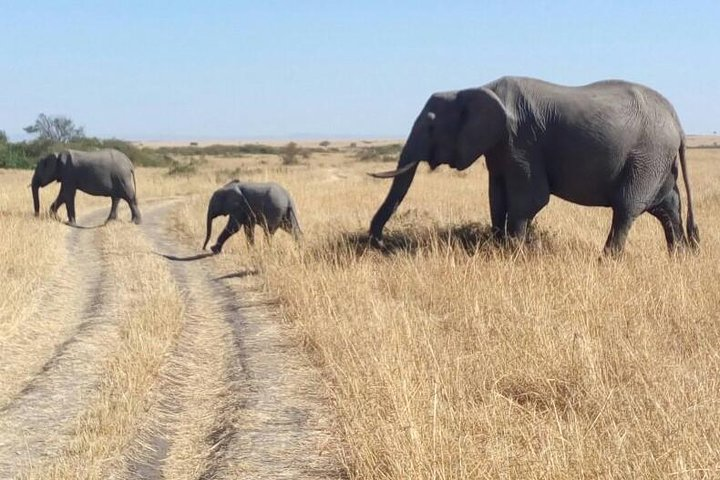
(473, 238)
(83, 227)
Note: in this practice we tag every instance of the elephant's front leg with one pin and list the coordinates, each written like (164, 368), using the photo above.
(498, 205)
(231, 229)
(66, 196)
(528, 192)
(57, 203)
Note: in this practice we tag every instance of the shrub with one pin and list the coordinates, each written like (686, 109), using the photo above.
(380, 153)
(185, 168)
(11, 156)
(289, 154)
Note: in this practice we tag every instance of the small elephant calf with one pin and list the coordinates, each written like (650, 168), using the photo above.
(248, 204)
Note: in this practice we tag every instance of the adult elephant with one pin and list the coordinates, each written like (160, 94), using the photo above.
(610, 144)
(107, 173)
(249, 204)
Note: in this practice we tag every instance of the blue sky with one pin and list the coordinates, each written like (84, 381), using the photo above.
(194, 70)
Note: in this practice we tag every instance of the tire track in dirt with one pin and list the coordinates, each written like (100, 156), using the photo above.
(238, 398)
(59, 358)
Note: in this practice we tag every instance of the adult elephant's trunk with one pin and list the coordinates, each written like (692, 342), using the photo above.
(35, 185)
(403, 177)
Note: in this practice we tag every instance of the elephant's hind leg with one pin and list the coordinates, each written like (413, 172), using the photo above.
(70, 205)
(113, 209)
(668, 213)
(136, 217)
(642, 185)
(250, 233)
(291, 226)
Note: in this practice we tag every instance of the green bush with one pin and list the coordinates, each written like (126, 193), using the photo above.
(13, 157)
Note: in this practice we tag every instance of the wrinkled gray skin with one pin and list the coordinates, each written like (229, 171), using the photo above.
(249, 204)
(106, 173)
(608, 144)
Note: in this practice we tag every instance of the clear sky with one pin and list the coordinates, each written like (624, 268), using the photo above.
(257, 69)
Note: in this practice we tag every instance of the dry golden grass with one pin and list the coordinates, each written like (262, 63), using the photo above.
(450, 357)
(543, 363)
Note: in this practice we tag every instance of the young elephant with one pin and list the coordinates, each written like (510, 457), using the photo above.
(106, 173)
(248, 204)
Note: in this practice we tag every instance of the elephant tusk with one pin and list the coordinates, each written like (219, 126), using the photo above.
(394, 173)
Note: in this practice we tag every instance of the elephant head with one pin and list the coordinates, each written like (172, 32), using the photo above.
(454, 128)
(47, 170)
(225, 201)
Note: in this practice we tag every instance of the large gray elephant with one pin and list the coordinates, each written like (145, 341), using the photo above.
(249, 204)
(106, 173)
(610, 144)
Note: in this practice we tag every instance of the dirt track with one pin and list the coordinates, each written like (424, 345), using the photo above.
(231, 395)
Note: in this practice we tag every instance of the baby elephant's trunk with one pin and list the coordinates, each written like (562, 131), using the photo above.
(210, 217)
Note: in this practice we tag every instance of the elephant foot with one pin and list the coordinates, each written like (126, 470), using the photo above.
(377, 243)
(215, 249)
(137, 221)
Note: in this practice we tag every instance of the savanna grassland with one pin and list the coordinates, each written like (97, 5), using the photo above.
(125, 353)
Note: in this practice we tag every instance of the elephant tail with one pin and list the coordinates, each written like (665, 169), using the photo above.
(134, 183)
(294, 223)
(693, 233)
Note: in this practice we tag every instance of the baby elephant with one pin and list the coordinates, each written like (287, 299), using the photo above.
(248, 204)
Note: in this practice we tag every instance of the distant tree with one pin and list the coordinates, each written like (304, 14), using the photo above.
(324, 143)
(55, 129)
(3, 137)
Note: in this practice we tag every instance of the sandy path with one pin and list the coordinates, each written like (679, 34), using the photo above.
(234, 396)
(268, 417)
(71, 329)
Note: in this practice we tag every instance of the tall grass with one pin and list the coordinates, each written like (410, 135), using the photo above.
(452, 357)
(455, 358)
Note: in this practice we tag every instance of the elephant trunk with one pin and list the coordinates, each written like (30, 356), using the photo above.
(35, 185)
(407, 166)
(210, 217)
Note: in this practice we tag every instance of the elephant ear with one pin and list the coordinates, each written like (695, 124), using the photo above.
(48, 169)
(239, 201)
(484, 123)
(62, 159)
